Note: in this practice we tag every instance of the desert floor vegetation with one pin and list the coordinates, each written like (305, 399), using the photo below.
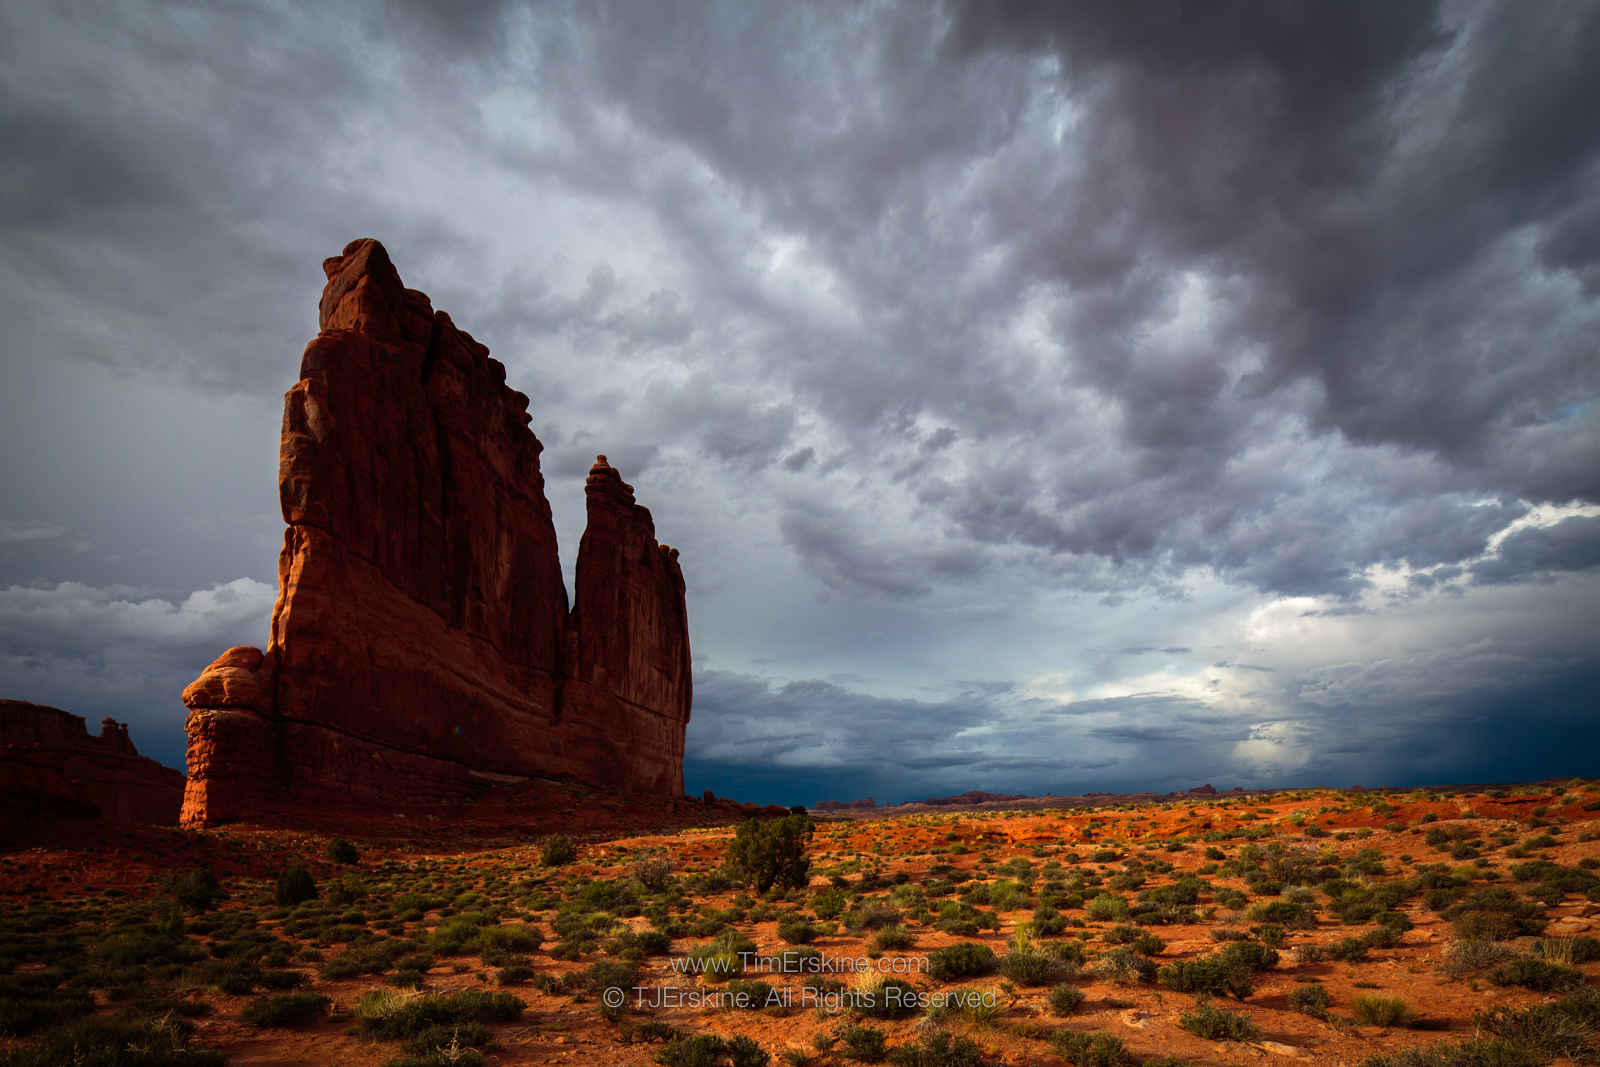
(1377, 927)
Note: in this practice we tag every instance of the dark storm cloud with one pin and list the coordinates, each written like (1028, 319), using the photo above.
(960, 315)
(1570, 545)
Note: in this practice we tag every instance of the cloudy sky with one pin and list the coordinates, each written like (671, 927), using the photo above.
(1043, 396)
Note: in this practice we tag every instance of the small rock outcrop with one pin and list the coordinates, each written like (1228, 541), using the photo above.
(421, 648)
(51, 766)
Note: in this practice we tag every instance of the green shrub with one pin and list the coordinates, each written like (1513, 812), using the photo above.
(1568, 950)
(1476, 1053)
(1031, 966)
(1107, 908)
(864, 1043)
(1563, 1028)
(388, 1013)
(891, 939)
(1218, 1024)
(796, 930)
(885, 998)
(965, 959)
(1124, 967)
(939, 1049)
(341, 850)
(1536, 975)
(295, 886)
(116, 1042)
(196, 890)
(1208, 976)
(1090, 1050)
(709, 1050)
(828, 903)
(558, 850)
(1066, 999)
(1312, 1000)
(1375, 1010)
(771, 852)
(286, 1009)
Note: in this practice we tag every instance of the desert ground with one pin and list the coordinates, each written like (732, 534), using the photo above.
(1448, 926)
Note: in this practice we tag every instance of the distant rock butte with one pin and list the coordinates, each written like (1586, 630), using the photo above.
(421, 648)
(51, 766)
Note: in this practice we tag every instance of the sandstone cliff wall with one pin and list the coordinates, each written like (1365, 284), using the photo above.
(421, 647)
(51, 766)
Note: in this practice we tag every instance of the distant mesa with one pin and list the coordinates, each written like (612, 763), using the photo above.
(1207, 790)
(421, 650)
(52, 767)
(847, 805)
(971, 796)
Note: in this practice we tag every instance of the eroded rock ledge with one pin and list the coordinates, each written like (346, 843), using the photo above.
(421, 647)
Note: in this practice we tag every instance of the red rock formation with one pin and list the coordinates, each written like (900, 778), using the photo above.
(421, 647)
(50, 765)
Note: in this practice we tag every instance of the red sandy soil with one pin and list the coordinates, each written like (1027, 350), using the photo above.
(559, 1028)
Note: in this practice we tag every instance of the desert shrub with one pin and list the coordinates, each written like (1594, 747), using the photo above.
(33, 1001)
(1218, 1024)
(1349, 949)
(121, 1041)
(709, 1050)
(295, 886)
(1065, 999)
(1566, 1027)
(939, 1049)
(884, 998)
(1090, 1050)
(1107, 908)
(1207, 975)
(871, 915)
(722, 957)
(1292, 914)
(341, 850)
(1568, 950)
(637, 944)
(796, 930)
(1495, 913)
(963, 920)
(1312, 1000)
(515, 974)
(891, 939)
(771, 852)
(1251, 955)
(1270, 934)
(1124, 967)
(654, 871)
(389, 1013)
(828, 903)
(282, 1010)
(1476, 1053)
(196, 889)
(1535, 974)
(1375, 1010)
(1030, 966)
(558, 850)
(864, 1043)
(963, 960)
(1470, 956)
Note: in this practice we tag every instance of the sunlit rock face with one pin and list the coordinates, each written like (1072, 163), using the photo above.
(422, 646)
